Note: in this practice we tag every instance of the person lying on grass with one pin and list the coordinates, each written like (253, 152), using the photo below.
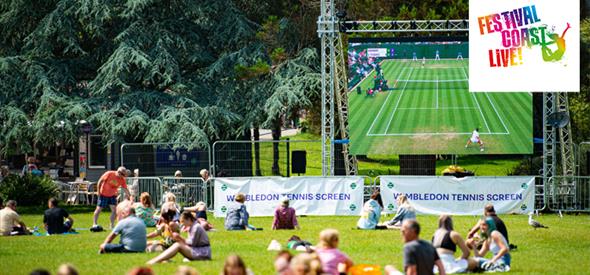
(196, 247)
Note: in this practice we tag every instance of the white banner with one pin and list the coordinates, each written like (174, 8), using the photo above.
(308, 195)
(460, 196)
(377, 52)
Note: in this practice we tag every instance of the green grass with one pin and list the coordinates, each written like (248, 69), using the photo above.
(436, 114)
(562, 249)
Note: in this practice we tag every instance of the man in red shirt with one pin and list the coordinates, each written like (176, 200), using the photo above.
(108, 188)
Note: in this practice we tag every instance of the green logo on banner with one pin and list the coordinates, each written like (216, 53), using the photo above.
(353, 185)
(523, 207)
(223, 209)
(224, 187)
(352, 207)
(390, 206)
(390, 185)
(524, 185)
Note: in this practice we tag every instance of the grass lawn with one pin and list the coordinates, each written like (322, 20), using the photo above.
(562, 249)
(431, 111)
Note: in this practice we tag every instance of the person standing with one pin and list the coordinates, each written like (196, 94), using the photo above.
(420, 256)
(53, 219)
(10, 223)
(133, 236)
(475, 139)
(108, 187)
(134, 189)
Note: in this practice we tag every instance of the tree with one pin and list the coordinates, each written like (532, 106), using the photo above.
(137, 70)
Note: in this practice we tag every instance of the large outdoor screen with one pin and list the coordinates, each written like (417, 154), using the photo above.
(409, 97)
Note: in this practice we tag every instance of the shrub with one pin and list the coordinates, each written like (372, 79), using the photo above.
(28, 190)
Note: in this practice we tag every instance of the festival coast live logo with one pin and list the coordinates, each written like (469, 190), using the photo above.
(524, 46)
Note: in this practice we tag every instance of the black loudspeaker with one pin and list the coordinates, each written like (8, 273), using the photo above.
(299, 162)
(417, 165)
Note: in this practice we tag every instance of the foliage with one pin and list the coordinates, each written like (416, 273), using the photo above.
(28, 190)
(137, 70)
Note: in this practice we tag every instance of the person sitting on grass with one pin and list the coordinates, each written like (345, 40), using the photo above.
(196, 247)
(10, 222)
(405, 211)
(165, 228)
(305, 264)
(329, 254)
(133, 236)
(234, 265)
(144, 209)
(488, 211)
(237, 215)
(200, 210)
(371, 213)
(123, 207)
(170, 204)
(446, 240)
(420, 256)
(497, 244)
(53, 219)
(67, 269)
(285, 216)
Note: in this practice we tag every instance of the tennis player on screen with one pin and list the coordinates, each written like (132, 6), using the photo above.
(475, 139)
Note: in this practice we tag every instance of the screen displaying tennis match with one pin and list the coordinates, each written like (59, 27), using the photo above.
(412, 97)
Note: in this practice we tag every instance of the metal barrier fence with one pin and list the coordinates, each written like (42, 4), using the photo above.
(152, 185)
(163, 159)
(568, 194)
(188, 191)
(583, 159)
(265, 158)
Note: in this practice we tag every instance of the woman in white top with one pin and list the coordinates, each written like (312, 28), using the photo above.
(497, 244)
(405, 211)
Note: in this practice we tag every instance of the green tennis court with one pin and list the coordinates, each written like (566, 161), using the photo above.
(431, 111)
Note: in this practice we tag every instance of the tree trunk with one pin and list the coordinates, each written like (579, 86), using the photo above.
(257, 172)
(276, 136)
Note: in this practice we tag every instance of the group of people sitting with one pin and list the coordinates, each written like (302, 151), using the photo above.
(489, 234)
(420, 257)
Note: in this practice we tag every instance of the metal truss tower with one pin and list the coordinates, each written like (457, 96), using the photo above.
(334, 78)
(335, 91)
(558, 152)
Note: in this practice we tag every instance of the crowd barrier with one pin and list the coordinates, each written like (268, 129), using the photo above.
(555, 194)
